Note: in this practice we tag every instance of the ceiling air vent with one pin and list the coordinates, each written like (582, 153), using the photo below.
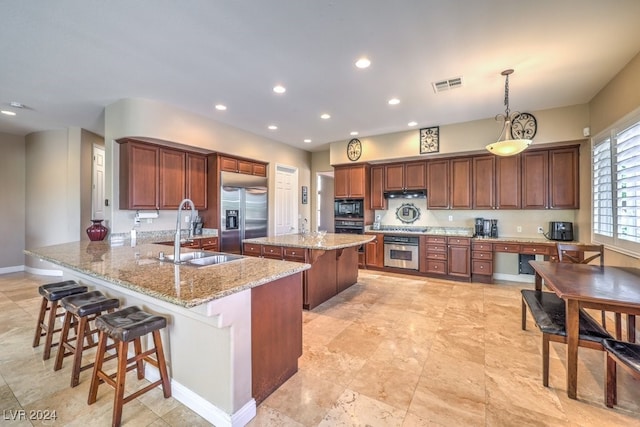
(443, 85)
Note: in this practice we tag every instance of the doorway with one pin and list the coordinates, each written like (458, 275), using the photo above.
(97, 183)
(324, 201)
(286, 200)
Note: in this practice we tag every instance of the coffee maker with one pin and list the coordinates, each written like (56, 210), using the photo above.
(479, 228)
(486, 227)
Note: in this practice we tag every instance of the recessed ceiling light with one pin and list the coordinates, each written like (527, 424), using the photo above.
(273, 127)
(412, 123)
(363, 63)
(394, 101)
(354, 133)
(307, 141)
(221, 107)
(325, 116)
(8, 113)
(279, 89)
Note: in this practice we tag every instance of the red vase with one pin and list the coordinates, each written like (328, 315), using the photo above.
(97, 231)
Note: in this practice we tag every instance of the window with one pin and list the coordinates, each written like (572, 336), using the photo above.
(616, 186)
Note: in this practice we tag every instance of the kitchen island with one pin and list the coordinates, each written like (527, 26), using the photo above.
(217, 319)
(333, 259)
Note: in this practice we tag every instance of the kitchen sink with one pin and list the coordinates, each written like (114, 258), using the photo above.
(203, 258)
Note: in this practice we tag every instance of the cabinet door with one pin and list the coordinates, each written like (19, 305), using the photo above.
(172, 178)
(415, 176)
(228, 164)
(461, 183)
(564, 178)
(535, 179)
(197, 179)
(484, 182)
(259, 169)
(438, 184)
(357, 184)
(394, 177)
(139, 178)
(245, 167)
(508, 182)
(374, 252)
(377, 188)
(459, 261)
(341, 182)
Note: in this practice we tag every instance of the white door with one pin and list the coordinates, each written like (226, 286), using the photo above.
(286, 201)
(97, 190)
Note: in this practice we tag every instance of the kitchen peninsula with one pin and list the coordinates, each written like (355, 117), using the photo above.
(218, 316)
(333, 259)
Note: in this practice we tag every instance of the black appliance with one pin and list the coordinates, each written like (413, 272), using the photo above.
(349, 208)
(406, 194)
(560, 231)
(349, 227)
(486, 227)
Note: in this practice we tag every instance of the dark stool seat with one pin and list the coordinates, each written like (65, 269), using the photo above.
(549, 313)
(81, 309)
(52, 293)
(124, 326)
(628, 356)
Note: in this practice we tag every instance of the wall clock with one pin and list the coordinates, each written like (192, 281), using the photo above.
(354, 149)
(524, 126)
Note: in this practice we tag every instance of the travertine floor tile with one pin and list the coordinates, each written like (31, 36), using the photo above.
(354, 409)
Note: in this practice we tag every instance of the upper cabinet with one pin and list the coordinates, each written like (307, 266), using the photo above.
(438, 184)
(377, 188)
(405, 176)
(550, 179)
(237, 165)
(496, 182)
(158, 177)
(351, 182)
(449, 183)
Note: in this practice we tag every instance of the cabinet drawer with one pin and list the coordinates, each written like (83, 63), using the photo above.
(436, 239)
(437, 255)
(195, 244)
(463, 241)
(294, 254)
(209, 243)
(251, 249)
(436, 267)
(269, 251)
(536, 249)
(482, 246)
(481, 255)
(479, 266)
(507, 247)
(436, 248)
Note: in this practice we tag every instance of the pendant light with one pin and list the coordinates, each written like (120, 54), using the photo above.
(506, 145)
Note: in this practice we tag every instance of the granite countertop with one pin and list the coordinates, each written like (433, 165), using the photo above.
(440, 231)
(139, 269)
(328, 242)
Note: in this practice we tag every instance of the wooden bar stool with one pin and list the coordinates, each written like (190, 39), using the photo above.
(81, 309)
(124, 326)
(52, 293)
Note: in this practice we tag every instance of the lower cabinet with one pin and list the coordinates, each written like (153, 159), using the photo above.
(374, 252)
(459, 256)
(435, 255)
(482, 262)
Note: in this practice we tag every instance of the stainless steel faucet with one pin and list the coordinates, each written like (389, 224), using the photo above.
(176, 242)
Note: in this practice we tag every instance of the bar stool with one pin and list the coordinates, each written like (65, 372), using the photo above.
(81, 309)
(124, 326)
(51, 294)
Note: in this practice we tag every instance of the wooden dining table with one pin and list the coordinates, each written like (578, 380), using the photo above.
(608, 288)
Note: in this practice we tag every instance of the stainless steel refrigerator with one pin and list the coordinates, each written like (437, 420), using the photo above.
(243, 210)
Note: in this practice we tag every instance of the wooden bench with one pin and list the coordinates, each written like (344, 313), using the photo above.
(628, 356)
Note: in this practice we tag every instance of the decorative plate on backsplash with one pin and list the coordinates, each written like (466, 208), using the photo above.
(408, 213)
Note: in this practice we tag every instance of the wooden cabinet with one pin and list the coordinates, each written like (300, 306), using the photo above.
(273, 252)
(496, 182)
(374, 252)
(209, 243)
(251, 249)
(459, 256)
(244, 166)
(435, 255)
(405, 176)
(294, 254)
(157, 177)
(482, 262)
(484, 182)
(377, 188)
(351, 182)
(550, 179)
(139, 178)
(449, 184)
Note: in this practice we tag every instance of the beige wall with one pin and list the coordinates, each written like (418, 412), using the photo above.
(12, 202)
(151, 119)
(319, 163)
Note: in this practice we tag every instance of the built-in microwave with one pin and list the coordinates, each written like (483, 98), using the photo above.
(349, 208)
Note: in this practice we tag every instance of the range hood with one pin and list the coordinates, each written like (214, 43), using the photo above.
(406, 194)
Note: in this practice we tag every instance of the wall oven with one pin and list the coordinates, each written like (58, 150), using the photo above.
(401, 252)
(342, 226)
(349, 208)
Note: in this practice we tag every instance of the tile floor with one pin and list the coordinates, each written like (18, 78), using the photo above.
(391, 350)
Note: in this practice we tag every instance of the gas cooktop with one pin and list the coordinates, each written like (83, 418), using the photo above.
(403, 228)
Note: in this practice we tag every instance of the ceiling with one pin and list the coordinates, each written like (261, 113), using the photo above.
(66, 60)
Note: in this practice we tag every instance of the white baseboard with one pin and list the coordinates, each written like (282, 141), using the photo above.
(522, 278)
(43, 272)
(204, 408)
(13, 269)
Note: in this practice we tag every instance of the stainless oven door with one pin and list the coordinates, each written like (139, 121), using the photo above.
(401, 256)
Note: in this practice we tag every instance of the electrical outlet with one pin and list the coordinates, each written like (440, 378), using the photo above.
(540, 230)
(450, 217)
(519, 229)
